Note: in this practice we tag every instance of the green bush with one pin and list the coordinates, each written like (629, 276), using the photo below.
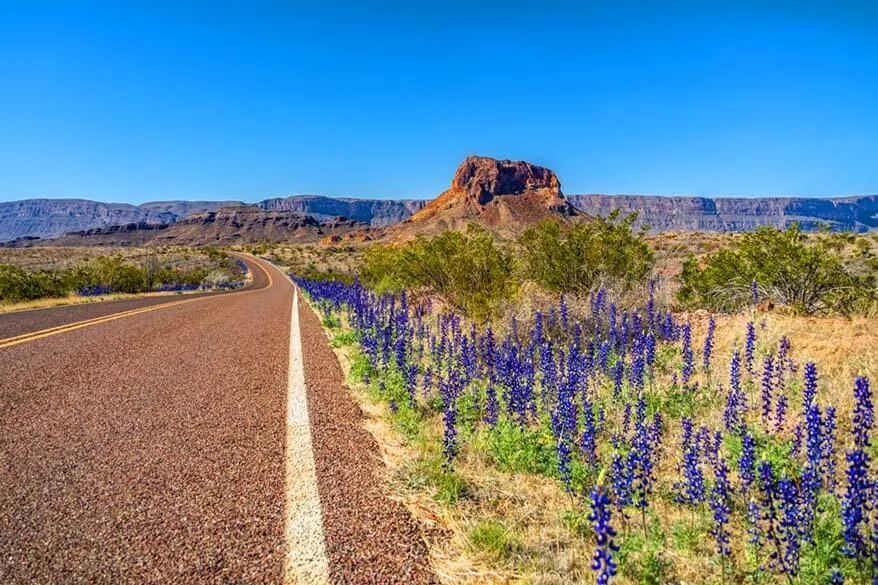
(106, 273)
(582, 257)
(811, 276)
(466, 270)
(17, 285)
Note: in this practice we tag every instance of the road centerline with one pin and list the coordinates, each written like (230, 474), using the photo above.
(306, 561)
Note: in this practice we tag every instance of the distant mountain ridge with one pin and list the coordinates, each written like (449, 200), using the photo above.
(49, 218)
(736, 214)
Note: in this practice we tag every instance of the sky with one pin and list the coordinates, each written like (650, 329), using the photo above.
(132, 101)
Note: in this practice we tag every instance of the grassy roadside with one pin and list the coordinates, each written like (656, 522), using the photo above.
(501, 515)
(481, 525)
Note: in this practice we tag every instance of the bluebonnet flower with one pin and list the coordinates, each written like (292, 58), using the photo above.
(790, 529)
(626, 418)
(770, 509)
(829, 428)
(735, 400)
(635, 372)
(809, 392)
(858, 497)
(747, 463)
(754, 292)
(836, 577)
(692, 489)
(688, 356)
(649, 350)
(588, 441)
(750, 347)
(564, 458)
(780, 412)
(605, 355)
(449, 437)
(622, 478)
(796, 443)
(864, 413)
(767, 389)
(601, 516)
(720, 505)
(492, 406)
(814, 437)
(618, 373)
(708, 343)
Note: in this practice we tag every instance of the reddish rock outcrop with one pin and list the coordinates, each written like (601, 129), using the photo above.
(502, 195)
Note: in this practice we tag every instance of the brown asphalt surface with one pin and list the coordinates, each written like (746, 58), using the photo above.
(150, 449)
(20, 322)
(369, 538)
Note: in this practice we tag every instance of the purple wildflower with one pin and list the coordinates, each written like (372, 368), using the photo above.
(600, 517)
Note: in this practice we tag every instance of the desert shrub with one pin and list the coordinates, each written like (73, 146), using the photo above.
(582, 257)
(466, 270)
(811, 276)
(108, 274)
(17, 285)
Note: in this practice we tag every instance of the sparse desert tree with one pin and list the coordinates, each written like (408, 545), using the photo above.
(788, 268)
(469, 271)
(583, 257)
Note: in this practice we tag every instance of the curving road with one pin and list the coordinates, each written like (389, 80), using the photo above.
(155, 448)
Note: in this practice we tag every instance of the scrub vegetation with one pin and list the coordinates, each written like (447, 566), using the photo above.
(30, 274)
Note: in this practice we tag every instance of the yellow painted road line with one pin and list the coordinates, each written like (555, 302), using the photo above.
(34, 335)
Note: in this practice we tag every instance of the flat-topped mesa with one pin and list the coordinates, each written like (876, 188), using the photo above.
(503, 196)
(483, 178)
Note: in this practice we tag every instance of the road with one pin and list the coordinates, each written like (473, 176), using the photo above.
(161, 446)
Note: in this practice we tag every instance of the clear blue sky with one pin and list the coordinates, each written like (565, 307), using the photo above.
(133, 101)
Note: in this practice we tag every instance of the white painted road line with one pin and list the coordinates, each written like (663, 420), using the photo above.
(306, 562)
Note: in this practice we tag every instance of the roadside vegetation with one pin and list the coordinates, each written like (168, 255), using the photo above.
(809, 276)
(619, 423)
(97, 275)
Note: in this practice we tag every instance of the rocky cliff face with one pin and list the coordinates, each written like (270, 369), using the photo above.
(736, 214)
(502, 195)
(376, 212)
(46, 218)
(248, 223)
(181, 209)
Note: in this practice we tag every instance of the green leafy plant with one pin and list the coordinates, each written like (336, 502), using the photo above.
(581, 257)
(808, 274)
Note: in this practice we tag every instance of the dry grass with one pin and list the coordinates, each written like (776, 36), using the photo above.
(59, 258)
(79, 300)
(310, 258)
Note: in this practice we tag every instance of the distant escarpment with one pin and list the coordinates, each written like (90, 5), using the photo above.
(248, 223)
(503, 196)
(736, 214)
(226, 225)
(375, 212)
(51, 218)
(47, 218)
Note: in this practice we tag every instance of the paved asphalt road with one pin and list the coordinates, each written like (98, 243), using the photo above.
(150, 449)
